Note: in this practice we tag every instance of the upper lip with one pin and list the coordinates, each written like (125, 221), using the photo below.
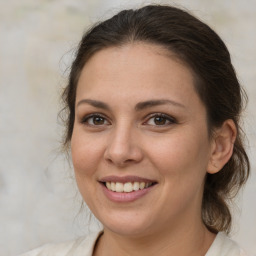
(125, 179)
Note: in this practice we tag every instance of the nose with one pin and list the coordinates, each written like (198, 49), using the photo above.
(123, 147)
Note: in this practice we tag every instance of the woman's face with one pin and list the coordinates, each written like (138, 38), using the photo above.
(140, 129)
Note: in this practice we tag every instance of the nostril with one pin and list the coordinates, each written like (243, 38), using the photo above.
(119, 161)
(129, 160)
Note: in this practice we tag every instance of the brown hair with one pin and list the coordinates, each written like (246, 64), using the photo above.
(197, 45)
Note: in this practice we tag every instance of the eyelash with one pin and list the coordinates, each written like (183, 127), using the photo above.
(166, 118)
(95, 115)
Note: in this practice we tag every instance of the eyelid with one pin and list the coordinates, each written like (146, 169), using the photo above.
(85, 118)
(169, 118)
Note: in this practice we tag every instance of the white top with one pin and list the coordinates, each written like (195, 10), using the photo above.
(221, 246)
(224, 246)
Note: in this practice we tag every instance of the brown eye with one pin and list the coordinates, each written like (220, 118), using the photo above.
(159, 120)
(98, 120)
(95, 120)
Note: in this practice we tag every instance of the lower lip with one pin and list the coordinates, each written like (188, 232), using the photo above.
(123, 196)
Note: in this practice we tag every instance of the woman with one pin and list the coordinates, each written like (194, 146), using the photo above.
(153, 108)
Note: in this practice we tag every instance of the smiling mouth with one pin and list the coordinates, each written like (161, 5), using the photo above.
(127, 187)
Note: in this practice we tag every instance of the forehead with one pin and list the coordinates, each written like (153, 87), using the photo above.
(143, 55)
(136, 66)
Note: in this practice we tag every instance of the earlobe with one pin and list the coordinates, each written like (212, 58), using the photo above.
(222, 146)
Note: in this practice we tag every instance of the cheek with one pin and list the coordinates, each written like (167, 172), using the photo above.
(181, 154)
(86, 153)
(181, 162)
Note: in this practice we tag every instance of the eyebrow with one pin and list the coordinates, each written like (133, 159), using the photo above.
(139, 106)
(94, 103)
(152, 103)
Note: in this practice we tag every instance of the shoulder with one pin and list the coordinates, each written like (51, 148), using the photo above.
(224, 246)
(81, 246)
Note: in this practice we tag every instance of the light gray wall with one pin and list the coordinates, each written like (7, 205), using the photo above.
(38, 197)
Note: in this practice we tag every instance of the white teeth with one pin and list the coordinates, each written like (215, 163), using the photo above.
(142, 185)
(108, 184)
(119, 187)
(136, 186)
(127, 187)
(113, 186)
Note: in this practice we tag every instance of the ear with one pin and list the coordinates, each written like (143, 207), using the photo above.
(222, 146)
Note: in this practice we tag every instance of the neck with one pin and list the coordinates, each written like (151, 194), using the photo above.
(194, 240)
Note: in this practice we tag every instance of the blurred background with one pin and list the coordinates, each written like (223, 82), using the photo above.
(39, 202)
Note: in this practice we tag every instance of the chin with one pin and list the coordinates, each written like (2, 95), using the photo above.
(128, 230)
(127, 225)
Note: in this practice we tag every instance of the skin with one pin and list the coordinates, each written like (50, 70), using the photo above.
(127, 140)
